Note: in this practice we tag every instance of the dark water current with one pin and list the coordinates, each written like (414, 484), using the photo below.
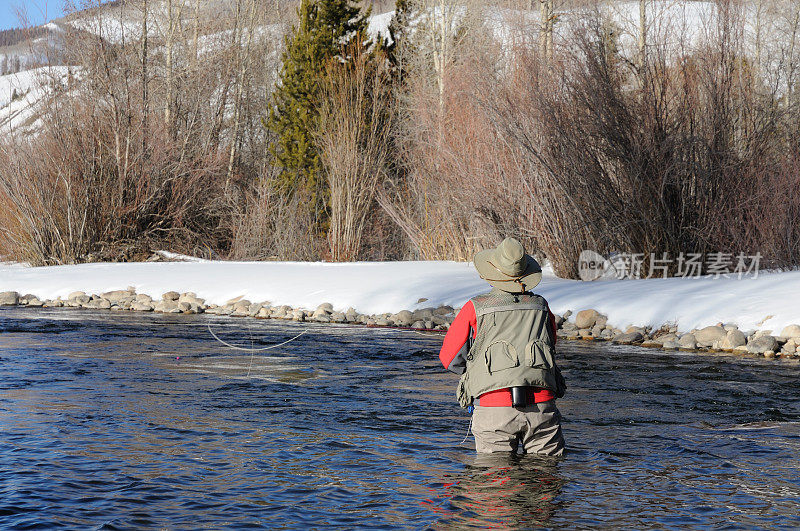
(114, 420)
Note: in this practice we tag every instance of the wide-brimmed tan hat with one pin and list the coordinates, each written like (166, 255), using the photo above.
(508, 267)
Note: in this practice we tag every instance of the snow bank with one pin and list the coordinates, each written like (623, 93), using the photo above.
(765, 302)
(22, 94)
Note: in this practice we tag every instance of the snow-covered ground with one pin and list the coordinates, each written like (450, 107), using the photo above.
(766, 302)
(22, 95)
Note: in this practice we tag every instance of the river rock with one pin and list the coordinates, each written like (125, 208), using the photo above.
(671, 345)
(117, 295)
(141, 306)
(337, 317)
(687, 341)
(636, 329)
(98, 304)
(734, 338)
(171, 296)
(78, 301)
(326, 307)
(586, 318)
(419, 325)
(628, 338)
(665, 338)
(143, 297)
(191, 298)
(443, 310)
(791, 331)
(254, 308)
(597, 330)
(241, 310)
(706, 337)
(423, 314)
(35, 303)
(762, 344)
(403, 318)
(9, 298)
(167, 306)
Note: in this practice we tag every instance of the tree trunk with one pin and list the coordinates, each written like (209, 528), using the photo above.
(170, 81)
(244, 65)
(546, 26)
(144, 80)
(642, 41)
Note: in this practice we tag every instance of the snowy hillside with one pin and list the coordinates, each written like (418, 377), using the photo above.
(23, 94)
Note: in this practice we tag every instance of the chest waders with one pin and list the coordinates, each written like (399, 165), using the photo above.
(513, 347)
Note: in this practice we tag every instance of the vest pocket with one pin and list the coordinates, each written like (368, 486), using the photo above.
(500, 356)
(462, 393)
(539, 354)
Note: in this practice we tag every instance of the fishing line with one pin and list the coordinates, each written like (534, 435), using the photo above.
(252, 345)
(254, 349)
(468, 428)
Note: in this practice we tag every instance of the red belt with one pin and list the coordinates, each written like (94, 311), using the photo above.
(502, 397)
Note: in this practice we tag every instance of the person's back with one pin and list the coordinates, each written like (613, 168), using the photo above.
(503, 344)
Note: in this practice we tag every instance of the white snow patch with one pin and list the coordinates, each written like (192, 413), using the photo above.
(381, 287)
(180, 257)
(32, 88)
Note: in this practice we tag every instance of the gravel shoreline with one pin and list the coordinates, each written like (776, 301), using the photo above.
(588, 324)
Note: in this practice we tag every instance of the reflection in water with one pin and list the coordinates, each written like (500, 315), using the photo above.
(145, 421)
(503, 491)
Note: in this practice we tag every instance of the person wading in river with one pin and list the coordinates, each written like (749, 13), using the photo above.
(503, 344)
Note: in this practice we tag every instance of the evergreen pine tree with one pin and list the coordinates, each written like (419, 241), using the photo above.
(324, 29)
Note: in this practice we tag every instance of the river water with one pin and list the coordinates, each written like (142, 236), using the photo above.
(116, 420)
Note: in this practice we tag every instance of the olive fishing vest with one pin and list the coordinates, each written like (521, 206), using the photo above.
(514, 346)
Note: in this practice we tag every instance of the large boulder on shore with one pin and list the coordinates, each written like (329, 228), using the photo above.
(323, 311)
(117, 295)
(9, 298)
(403, 318)
(734, 338)
(687, 341)
(628, 338)
(762, 344)
(791, 331)
(707, 336)
(586, 318)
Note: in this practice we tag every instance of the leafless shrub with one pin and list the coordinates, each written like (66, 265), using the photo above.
(670, 156)
(274, 226)
(353, 136)
(69, 194)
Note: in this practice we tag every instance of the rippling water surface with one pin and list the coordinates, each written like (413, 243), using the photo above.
(114, 420)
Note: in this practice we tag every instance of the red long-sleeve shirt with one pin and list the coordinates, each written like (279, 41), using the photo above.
(453, 356)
